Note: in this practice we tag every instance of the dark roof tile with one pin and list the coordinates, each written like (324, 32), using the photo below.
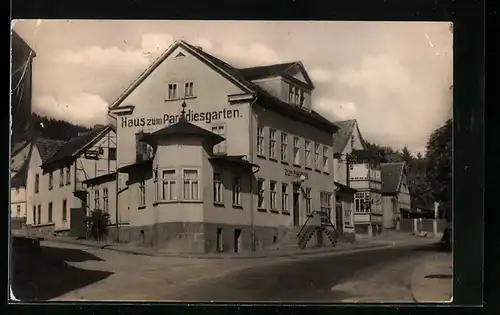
(391, 175)
(342, 136)
(20, 178)
(47, 148)
(185, 128)
(74, 145)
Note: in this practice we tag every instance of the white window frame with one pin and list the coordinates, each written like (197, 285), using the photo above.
(64, 210)
(284, 147)
(285, 197)
(359, 199)
(50, 212)
(272, 143)
(326, 159)
(308, 200)
(68, 175)
(273, 191)
(326, 202)
(308, 153)
(18, 211)
(142, 193)
(51, 180)
(97, 199)
(317, 156)
(191, 182)
(105, 200)
(260, 140)
(218, 187)
(236, 190)
(175, 91)
(61, 177)
(296, 150)
(189, 87)
(155, 184)
(261, 193)
(220, 129)
(291, 94)
(166, 184)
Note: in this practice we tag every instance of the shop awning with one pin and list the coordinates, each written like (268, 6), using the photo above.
(344, 189)
(233, 160)
(135, 167)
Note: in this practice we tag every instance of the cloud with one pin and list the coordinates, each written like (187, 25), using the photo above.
(84, 109)
(152, 45)
(321, 75)
(203, 43)
(341, 110)
(250, 55)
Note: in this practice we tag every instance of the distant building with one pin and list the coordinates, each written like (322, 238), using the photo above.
(345, 140)
(246, 166)
(21, 78)
(396, 194)
(56, 171)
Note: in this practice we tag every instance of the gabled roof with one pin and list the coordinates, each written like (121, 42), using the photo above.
(238, 78)
(286, 70)
(72, 147)
(391, 176)
(20, 178)
(47, 148)
(184, 128)
(343, 135)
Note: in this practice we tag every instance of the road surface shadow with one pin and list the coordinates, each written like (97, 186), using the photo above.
(41, 273)
(434, 247)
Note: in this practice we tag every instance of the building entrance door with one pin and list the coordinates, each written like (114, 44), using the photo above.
(296, 214)
(237, 241)
(338, 218)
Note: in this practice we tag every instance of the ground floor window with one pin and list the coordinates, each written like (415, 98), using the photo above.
(191, 188)
(236, 190)
(218, 188)
(307, 199)
(96, 199)
(326, 203)
(49, 216)
(34, 214)
(284, 197)
(169, 189)
(64, 210)
(272, 201)
(348, 214)
(39, 217)
(105, 202)
(361, 199)
(260, 194)
(18, 209)
(142, 193)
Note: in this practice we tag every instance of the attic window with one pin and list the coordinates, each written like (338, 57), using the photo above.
(179, 55)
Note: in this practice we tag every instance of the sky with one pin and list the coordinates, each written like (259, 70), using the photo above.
(394, 78)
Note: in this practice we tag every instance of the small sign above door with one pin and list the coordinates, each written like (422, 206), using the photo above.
(295, 173)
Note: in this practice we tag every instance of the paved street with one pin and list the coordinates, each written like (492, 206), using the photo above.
(76, 272)
(375, 275)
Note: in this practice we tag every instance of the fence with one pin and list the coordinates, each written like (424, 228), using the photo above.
(426, 225)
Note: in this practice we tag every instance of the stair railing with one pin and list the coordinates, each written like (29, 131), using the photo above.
(329, 223)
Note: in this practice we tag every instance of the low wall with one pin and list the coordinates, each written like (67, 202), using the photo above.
(17, 223)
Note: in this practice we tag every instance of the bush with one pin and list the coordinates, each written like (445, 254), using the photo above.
(98, 224)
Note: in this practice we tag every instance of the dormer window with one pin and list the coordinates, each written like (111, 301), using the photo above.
(295, 96)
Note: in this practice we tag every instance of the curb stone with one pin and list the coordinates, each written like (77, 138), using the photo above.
(198, 256)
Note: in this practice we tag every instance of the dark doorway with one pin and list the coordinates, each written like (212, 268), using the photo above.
(237, 241)
(339, 217)
(296, 215)
(219, 240)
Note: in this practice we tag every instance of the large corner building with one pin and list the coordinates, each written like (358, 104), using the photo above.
(214, 158)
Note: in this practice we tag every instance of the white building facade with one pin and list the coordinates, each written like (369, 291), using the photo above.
(273, 167)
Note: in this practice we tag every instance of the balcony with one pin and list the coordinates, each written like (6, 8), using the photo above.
(80, 191)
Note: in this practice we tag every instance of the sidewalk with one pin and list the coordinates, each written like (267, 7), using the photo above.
(340, 247)
(432, 282)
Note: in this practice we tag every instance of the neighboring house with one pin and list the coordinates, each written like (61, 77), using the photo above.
(345, 140)
(247, 165)
(20, 153)
(21, 76)
(367, 180)
(56, 172)
(18, 193)
(395, 192)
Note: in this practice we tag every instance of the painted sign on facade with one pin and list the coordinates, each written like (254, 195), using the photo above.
(295, 173)
(191, 116)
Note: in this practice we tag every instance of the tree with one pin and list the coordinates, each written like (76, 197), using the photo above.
(438, 172)
(406, 155)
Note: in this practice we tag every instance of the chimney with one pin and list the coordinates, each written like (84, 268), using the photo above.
(199, 48)
(96, 126)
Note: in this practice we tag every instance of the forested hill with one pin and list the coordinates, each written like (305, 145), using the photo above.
(55, 129)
